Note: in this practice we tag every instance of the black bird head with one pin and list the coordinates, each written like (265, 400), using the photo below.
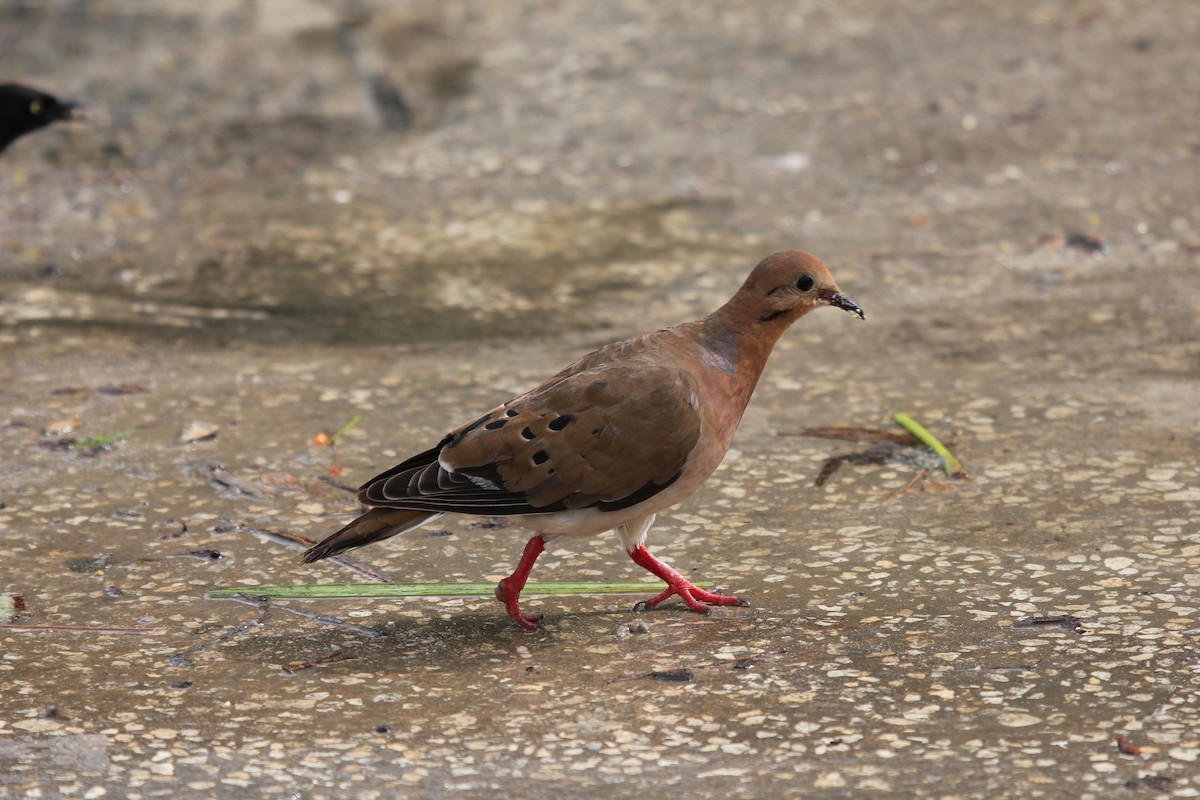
(23, 110)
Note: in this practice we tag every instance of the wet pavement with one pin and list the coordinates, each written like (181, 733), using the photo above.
(284, 215)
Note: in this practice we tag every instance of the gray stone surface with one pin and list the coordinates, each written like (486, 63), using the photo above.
(284, 214)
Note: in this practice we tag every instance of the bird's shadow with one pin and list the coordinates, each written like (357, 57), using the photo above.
(466, 640)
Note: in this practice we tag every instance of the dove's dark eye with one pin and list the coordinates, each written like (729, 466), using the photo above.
(805, 282)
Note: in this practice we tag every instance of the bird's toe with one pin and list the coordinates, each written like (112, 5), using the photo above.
(530, 622)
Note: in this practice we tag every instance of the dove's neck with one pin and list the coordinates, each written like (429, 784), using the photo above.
(737, 352)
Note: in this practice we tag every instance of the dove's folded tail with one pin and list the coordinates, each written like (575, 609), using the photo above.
(373, 526)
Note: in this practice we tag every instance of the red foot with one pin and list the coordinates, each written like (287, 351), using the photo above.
(697, 599)
(508, 591)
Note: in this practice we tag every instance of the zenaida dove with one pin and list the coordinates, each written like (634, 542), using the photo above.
(623, 433)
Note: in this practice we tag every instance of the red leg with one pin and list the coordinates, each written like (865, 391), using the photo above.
(695, 597)
(508, 591)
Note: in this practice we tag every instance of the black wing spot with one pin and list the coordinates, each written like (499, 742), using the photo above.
(463, 434)
(496, 425)
(561, 421)
(528, 434)
(541, 457)
(510, 413)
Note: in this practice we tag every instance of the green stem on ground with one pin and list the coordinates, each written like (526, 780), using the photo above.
(463, 589)
(953, 467)
(102, 441)
(349, 426)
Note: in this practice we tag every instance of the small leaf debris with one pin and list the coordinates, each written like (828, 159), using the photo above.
(359, 567)
(86, 565)
(1065, 621)
(203, 555)
(1127, 748)
(345, 487)
(112, 389)
(889, 447)
(61, 427)
(679, 674)
(296, 666)
(1086, 243)
(12, 607)
(219, 475)
(198, 432)
(182, 658)
(629, 629)
(283, 481)
(1157, 783)
(121, 388)
(178, 530)
(263, 605)
(64, 443)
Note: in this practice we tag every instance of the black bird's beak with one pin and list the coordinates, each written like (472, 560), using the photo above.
(839, 300)
(72, 112)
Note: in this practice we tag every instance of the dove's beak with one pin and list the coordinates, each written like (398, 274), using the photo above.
(839, 300)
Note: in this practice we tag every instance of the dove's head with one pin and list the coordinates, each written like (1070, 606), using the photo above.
(786, 286)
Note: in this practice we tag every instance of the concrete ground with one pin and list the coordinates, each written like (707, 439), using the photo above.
(285, 214)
